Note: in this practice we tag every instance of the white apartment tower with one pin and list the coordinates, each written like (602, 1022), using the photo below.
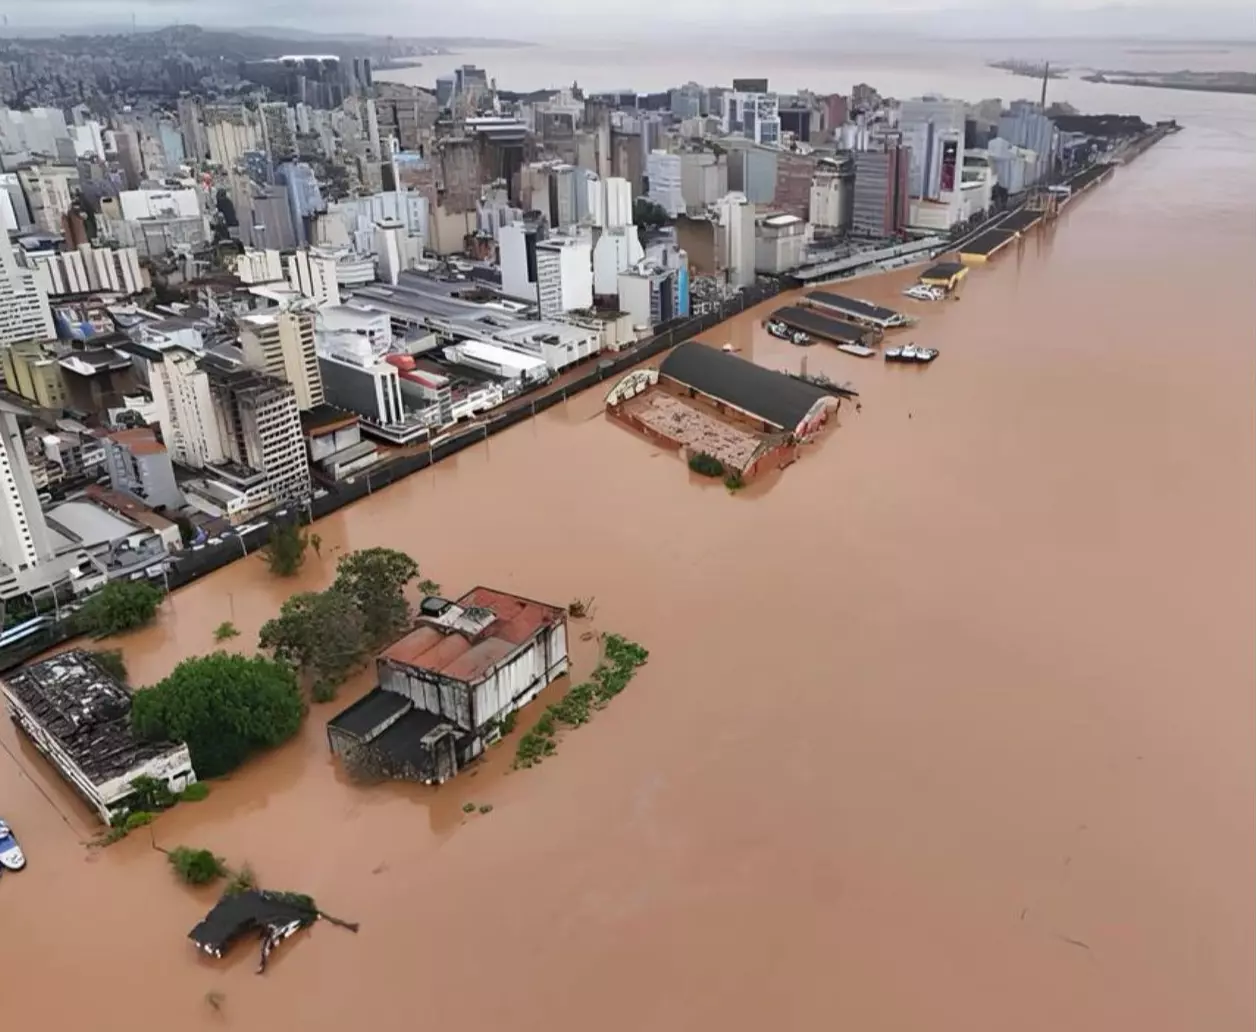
(282, 345)
(735, 240)
(185, 408)
(24, 541)
(564, 276)
(24, 311)
(314, 276)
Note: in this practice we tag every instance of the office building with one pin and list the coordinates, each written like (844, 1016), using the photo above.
(751, 111)
(281, 344)
(305, 200)
(139, 466)
(933, 129)
(192, 128)
(49, 191)
(564, 275)
(279, 130)
(260, 426)
(703, 178)
(257, 267)
(1027, 128)
(229, 132)
(24, 311)
(31, 370)
(780, 244)
(616, 251)
(517, 246)
(832, 198)
(880, 204)
(184, 404)
(665, 173)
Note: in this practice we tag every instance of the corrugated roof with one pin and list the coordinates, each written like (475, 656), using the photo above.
(767, 395)
(453, 654)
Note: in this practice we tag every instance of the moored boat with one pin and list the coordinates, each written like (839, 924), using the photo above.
(11, 856)
(911, 353)
(857, 349)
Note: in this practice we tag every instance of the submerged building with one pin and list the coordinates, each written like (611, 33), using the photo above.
(445, 687)
(701, 400)
(79, 717)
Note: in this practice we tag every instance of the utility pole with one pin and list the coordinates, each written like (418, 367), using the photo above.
(1046, 73)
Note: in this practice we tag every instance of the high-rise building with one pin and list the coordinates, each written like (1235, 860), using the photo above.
(735, 239)
(89, 269)
(751, 111)
(279, 131)
(139, 465)
(126, 140)
(281, 344)
(516, 249)
(881, 200)
(185, 406)
(832, 198)
(305, 200)
(664, 172)
(192, 126)
(24, 311)
(564, 276)
(933, 129)
(24, 538)
(260, 425)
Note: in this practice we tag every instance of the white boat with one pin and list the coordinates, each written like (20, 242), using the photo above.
(11, 856)
(924, 292)
(857, 350)
(911, 353)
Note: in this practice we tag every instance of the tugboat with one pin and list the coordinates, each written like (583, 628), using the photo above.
(11, 856)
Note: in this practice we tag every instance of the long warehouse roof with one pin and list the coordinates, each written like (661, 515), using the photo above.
(811, 321)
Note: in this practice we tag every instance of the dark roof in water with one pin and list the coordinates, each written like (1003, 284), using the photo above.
(401, 747)
(369, 712)
(86, 711)
(865, 309)
(812, 321)
(266, 913)
(943, 270)
(1020, 220)
(773, 397)
(989, 241)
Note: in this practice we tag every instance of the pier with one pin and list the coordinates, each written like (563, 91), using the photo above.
(835, 331)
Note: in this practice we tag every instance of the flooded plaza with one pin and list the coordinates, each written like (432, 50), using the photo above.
(948, 726)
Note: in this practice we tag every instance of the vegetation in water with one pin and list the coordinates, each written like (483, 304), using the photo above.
(196, 866)
(224, 706)
(706, 465)
(150, 794)
(111, 661)
(468, 807)
(243, 880)
(733, 480)
(285, 551)
(375, 579)
(322, 634)
(118, 606)
(194, 793)
(138, 819)
(620, 659)
(225, 630)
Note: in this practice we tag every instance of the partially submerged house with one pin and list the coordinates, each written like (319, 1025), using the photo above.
(445, 687)
(702, 399)
(79, 717)
(272, 916)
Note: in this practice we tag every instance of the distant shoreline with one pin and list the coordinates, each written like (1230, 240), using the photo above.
(1162, 83)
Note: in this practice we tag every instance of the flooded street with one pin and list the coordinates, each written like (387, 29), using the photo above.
(949, 726)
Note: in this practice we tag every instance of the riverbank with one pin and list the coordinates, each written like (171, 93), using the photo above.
(1008, 710)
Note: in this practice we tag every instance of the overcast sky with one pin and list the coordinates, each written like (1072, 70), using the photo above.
(572, 19)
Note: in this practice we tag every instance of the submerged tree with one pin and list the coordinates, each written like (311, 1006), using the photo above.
(322, 634)
(224, 706)
(112, 662)
(119, 606)
(196, 866)
(285, 552)
(375, 579)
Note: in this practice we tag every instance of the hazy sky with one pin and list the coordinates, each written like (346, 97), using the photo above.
(810, 21)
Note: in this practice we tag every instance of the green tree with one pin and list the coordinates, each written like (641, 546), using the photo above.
(375, 579)
(112, 662)
(119, 606)
(647, 216)
(196, 866)
(224, 706)
(322, 634)
(285, 552)
(225, 630)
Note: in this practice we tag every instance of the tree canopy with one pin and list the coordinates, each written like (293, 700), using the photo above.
(285, 552)
(224, 706)
(119, 606)
(322, 634)
(375, 579)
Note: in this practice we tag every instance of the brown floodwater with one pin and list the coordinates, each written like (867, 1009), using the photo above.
(949, 726)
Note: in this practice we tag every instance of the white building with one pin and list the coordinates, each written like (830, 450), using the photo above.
(256, 266)
(780, 244)
(831, 201)
(159, 204)
(229, 138)
(24, 540)
(24, 311)
(358, 380)
(564, 275)
(49, 191)
(615, 251)
(516, 254)
(370, 323)
(754, 115)
(185, 407)
(735, 239)
(933, 127)
(313, 274)
(281, 344)
(390, 250)
(516, 368)
(704, 178)
(32, 132)
(665, 172)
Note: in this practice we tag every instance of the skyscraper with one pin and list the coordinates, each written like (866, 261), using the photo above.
(24, 540)
(282, 345)
(24, 311)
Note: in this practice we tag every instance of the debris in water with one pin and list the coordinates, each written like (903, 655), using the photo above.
(275, 916)
(1073, 942)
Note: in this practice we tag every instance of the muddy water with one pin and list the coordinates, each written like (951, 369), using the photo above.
(950, 726)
